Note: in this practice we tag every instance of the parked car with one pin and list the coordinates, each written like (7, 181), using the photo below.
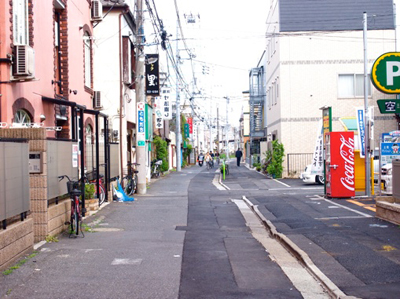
(311, 178)
(386, 179)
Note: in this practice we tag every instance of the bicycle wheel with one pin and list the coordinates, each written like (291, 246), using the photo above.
(127, 185)
(74, 220)
(135, 182)
(102, 195)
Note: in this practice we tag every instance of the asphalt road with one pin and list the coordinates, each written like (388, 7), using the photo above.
(187, 238)
(357, 251)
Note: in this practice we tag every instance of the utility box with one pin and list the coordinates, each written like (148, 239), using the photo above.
(396, 179)
(35, 162)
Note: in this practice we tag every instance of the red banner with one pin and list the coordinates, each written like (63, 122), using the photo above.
(190, 122)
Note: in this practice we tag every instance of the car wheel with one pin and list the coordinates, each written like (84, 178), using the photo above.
(319, 179)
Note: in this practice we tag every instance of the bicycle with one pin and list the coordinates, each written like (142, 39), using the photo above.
(155, 168)
(130, 181)
(209, 165)
(76, 216)
(90, 178)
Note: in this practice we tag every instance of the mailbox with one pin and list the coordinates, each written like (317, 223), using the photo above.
(35, 162)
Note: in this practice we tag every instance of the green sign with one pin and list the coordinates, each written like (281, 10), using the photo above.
(389, 106)
(141, 143)
(385, 73)
(187, 134)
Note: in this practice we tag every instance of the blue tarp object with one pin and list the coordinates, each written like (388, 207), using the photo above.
(120, 194)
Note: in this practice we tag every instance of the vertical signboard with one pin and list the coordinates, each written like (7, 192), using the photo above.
(190, 123)
(186, 128)
(166, 104)
(361, 131)
(159, 118)
(141, 133)
(152, 75)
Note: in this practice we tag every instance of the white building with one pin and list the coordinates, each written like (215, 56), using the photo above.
(314, 58)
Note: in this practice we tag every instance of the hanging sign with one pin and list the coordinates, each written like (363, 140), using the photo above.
(152, 76)
(190, 123)
(159, 118)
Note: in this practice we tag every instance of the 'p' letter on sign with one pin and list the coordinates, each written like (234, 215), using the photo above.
(386, 73)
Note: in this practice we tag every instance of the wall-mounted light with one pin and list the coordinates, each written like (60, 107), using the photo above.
(73, 91)
(42, 117)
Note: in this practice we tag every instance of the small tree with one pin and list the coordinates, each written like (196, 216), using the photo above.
(275, 168)
(161, 152)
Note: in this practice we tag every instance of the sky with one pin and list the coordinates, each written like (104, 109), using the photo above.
(227, 38)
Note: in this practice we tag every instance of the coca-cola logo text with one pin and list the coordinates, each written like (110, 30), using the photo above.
(347, 153)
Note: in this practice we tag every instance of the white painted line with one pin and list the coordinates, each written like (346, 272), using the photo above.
(347, 208)
(117, 262)
(281, 183)
(341, 217)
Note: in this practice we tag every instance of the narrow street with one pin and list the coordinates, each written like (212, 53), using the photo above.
(189, 239)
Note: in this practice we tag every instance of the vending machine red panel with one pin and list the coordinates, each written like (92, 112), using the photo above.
(339, 164)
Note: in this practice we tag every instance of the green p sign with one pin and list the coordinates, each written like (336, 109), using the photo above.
(386, 73)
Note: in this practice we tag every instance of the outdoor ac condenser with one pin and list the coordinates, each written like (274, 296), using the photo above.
(97, 10)
(24, 64)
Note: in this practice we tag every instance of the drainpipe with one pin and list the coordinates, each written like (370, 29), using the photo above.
(121, 150)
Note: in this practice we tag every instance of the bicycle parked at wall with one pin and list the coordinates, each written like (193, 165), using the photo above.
(155, 168)
(90, 178)
(130, 181)
(76, 215)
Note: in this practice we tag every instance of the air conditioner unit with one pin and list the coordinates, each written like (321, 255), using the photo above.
(97, 10)
(97, 99)
(24, 64)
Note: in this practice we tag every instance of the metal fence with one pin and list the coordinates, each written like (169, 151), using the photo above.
(14, 179)
(296, 163)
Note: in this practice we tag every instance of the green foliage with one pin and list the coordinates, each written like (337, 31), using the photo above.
(19, 264)
(222, 156)
(161, 147)
(89, 191)
(258, 168)
(256, 164)
(275, 168)
(51, 239)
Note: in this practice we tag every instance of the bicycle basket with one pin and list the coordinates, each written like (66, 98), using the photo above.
(71, 186)
(91, 176)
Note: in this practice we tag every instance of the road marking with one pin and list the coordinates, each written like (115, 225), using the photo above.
(370, 207)
(337, 217)
(344, 207)
(281, 183)
(117, 262)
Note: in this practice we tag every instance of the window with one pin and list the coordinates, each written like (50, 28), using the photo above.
(22, 117)
(88, 60)
(20, 22)
(352, 85)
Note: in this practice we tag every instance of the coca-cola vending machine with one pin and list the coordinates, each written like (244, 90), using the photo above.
(339, 164)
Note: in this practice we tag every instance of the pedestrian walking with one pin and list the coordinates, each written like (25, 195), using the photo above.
(238, 155)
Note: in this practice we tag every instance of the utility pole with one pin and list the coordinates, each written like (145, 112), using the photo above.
(226, 128)
(140, 100)
(178, 106)
(366, 115)
(217, 129)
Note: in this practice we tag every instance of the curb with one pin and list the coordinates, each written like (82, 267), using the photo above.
(300, 255)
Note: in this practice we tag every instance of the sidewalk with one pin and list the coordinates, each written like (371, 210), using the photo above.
(134, 251)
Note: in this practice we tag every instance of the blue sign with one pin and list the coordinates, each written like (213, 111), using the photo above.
(141, 121)
(390, 148)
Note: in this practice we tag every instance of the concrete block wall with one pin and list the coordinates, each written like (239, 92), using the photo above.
(15, 241)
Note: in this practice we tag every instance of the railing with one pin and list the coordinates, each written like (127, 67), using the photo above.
(296, 163)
